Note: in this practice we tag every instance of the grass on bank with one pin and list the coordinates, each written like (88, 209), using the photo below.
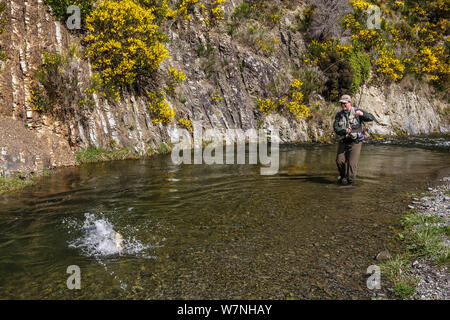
(397, 272)
(424, 239)
(93, 154)
(15, 183)
(19, 181)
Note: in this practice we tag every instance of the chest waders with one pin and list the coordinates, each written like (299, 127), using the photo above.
(349, 147)
(353, 121)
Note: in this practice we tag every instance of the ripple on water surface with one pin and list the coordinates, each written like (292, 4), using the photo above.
(150, 229)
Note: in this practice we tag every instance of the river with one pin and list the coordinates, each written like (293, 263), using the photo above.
(211, 231)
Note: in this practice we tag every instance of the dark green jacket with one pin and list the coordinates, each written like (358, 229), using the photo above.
(345, 119)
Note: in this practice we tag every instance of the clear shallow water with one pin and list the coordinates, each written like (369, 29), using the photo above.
(214, 232)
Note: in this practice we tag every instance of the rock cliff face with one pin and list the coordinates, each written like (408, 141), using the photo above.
(233, 70)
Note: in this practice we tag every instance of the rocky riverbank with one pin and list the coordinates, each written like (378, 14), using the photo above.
(434, 280)
(421, 273)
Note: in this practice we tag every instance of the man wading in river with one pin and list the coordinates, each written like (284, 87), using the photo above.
(348, 125)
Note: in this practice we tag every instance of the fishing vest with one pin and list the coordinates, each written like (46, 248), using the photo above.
(352, 120)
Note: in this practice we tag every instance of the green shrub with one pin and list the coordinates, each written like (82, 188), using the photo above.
(266, 12)
(208, 60)
(39, 100)
(163, 148)
(58, 89)
(361, 65)
(312, 80)
(60, 7)
(304, 21)
(338, 72)
(52, 82)
(245, 10)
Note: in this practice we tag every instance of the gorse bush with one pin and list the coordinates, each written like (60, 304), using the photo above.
(412, 38)
(185, 123)
(51, 76)
(245, 10)
(304, 21)
(265, 12)
(266, 106)
(388, 64)
(212, 11)
(175, 78)
(293, 102)
(124, 43)
(159, 108)
(185, 7)
(296, 105)
(160, 8)
(313, 80)
(57, 87)
(38, 100)
(216, 95)
(435, 63)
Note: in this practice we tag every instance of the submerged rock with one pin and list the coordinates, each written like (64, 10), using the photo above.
(383, 255)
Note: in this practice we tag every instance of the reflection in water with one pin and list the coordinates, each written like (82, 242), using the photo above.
(197, 231)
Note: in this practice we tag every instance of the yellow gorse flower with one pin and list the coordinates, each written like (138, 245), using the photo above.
(216, 96)
(294, 102)
(186, 123)
(359, 5)
(388, 64)
(177, 76)
(266, 106)
(159, 108)
(123, 42)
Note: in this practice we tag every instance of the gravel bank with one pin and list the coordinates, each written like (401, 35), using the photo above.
(434, 281)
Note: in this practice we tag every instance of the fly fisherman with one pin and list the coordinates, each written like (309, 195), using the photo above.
(348, 126)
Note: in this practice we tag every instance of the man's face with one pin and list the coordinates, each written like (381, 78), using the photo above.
(346, 106)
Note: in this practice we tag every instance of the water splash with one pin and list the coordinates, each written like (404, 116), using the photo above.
(100, 239)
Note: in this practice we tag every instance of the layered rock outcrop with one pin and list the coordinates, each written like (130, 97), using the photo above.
(233, 69)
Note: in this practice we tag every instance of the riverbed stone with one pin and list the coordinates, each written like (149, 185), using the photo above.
(383, 255)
